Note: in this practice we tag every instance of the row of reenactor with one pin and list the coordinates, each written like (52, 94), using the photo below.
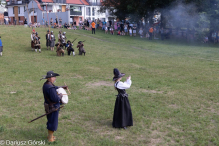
(60, 45)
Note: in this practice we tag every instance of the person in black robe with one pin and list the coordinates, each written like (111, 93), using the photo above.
(122, 111)
(51, 102)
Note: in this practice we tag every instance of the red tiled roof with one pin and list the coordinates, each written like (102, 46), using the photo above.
(77, 2)
(47, 1)
(85, 2)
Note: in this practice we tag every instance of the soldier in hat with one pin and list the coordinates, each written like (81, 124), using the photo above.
(51, 103)
(122, 112)
(80, 47)
(52, 41)
(70, 48)
(47, 39)
(37, 43)
(1, 47)
(59, 49)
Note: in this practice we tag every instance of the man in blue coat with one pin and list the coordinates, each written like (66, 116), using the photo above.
(52, 102)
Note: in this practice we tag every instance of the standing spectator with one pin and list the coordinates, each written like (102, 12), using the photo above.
(130, 31)
(80, 24)
(101, 25)
(51, 21)
(151, 30)
(98, 23)
(1, 47)
(118, 24)
(108, 25)
(134, 30)
(15, 21)
(43, 21)
(56, 21)
(122, 28)
(214, 37)
(126, 29)
(88, 23)
(115, 25)
(93, 27)
(60, 21)
(104, 25)
(5, 21)
(141, 32)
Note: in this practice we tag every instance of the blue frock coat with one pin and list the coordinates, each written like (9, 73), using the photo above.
(49, 90)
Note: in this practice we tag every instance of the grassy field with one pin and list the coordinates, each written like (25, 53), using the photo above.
(174, 95)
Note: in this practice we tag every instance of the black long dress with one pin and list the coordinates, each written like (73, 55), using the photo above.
(122, 112)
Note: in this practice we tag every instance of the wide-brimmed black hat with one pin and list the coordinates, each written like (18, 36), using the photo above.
(117, 74)
(50, 74)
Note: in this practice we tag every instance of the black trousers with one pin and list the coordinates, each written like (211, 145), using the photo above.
(150, 38)
(93, 30)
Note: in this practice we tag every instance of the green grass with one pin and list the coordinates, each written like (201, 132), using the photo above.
(174, 95)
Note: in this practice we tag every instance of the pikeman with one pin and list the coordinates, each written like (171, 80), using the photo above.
(32, 37)
(48, 39)
(59, 49)
(37, 43)
(70, 48)
(52, 41)
(63, 39)
(60, 36)
(80, 47)
(52, 103)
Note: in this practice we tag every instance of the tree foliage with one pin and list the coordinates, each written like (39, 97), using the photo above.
(182, 13)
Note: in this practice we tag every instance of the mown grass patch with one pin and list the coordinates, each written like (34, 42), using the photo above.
(174, 95)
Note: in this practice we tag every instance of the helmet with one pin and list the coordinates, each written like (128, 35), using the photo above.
(51, 31)
(64, 32)
(36, 33)
(47, 30)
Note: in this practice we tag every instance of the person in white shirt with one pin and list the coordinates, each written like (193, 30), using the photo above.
(122, 112)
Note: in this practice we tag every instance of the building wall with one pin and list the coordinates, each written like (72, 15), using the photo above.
(21, 11)
(10, 12)
(16, 12)
(21, 22)
(64, 15)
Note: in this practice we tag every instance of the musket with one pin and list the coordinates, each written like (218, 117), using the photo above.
(74, 40)
(45, 114)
